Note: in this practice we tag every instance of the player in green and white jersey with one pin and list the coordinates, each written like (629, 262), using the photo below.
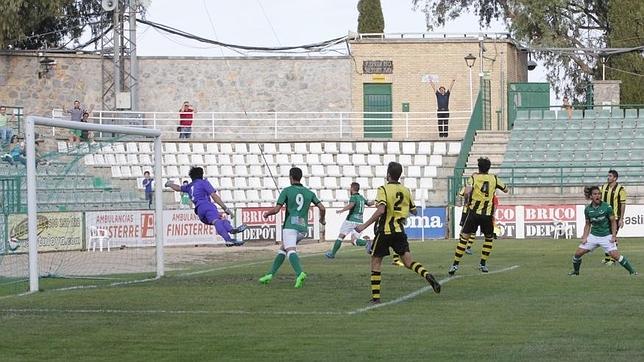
(600, 230)
(297, 199)
(355, 207)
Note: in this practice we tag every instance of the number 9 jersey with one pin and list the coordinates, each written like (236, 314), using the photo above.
(483, 187)
(297, 199)
(398, 204)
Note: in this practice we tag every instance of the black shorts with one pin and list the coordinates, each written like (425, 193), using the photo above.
(473, 221)
(382, 242)
(463, 217)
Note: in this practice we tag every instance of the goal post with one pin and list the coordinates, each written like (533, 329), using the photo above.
(30, 123)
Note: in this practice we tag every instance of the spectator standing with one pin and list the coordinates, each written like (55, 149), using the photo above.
(5, 129)
(186, 115)
(567, 107)
(76, 114)
(442, 102)
(147, 183)
(86, 135)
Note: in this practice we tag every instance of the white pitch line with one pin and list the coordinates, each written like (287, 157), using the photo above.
(242, 312)
(422, 290)
(161, 311)
(239, 266)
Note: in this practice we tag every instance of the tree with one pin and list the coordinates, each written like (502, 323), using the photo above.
(545, 24)
(37, 24)
(370, 19)
(627, 29)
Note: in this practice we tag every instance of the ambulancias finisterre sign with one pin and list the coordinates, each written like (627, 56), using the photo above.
(377, 67)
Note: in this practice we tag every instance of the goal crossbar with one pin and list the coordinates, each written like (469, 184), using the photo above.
(30, 140)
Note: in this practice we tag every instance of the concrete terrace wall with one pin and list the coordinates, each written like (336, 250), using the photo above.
(212, 84)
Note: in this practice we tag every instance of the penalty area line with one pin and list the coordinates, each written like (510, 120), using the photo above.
(239, 312)
(423, 290)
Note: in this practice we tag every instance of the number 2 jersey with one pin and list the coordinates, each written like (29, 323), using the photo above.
(297, 199)
(483, 187)
(398, 204)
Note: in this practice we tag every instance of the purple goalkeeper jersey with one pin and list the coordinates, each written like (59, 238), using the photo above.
(199, 191)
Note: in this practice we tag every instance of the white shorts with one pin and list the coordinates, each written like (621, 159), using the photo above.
(349, 228)
(291, 237)
(594, 242)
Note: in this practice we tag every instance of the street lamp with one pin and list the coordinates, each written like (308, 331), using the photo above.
(470, 60)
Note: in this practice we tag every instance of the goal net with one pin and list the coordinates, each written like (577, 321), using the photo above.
(91, 227)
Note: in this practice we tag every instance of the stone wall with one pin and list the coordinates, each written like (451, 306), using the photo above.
(212, 84)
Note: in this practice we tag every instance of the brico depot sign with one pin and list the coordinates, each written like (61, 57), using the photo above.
(506, 218)
(539, 220)
(258, 227)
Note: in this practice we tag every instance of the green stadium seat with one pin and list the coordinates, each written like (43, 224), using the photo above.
(588, 124)
(577, 114)
(589, 114)
(536, 114)
(524, 156)
(534, 125)
(617, 113)
(630, 113)
(601, 124)
(629, 123)
(557, 136)
(614, 124)
(549, 114)
(521, 115)
(604, 113)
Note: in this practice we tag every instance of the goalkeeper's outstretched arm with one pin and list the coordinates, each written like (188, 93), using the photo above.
(173, 186)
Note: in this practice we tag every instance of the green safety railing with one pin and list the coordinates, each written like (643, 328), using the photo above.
(10, 194)
(455, 182)
(558, 178)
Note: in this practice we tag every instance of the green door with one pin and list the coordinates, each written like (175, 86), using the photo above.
(377, 98)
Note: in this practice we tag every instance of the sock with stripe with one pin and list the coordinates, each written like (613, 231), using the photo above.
(576, 263)
(487, 248)
(336, 246)
(361, 242)
(376, 278)
(295, 262)
(626, 264)
(277, 263)
(471, 240)
(418, 269)
(460, 248)
(396, 258)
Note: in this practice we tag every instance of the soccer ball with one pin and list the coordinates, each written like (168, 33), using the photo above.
(13, 244)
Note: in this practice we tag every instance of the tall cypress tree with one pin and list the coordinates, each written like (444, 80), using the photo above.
(370, 19)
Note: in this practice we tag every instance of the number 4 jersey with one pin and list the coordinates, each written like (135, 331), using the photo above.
(483, 187)
(297, 199)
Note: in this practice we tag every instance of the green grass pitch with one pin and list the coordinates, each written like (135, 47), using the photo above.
(533, 312)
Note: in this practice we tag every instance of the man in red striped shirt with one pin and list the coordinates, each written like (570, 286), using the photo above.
(186, 114)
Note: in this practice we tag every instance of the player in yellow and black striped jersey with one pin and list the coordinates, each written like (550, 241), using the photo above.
(472, 239)
(615, 195)
(479, 195)
(394, 204)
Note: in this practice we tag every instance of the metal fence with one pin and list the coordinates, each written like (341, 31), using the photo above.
(289, 126)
